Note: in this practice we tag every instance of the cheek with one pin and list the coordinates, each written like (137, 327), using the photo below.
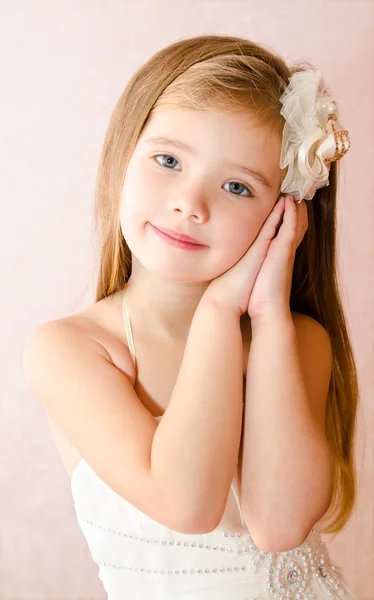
(133, 200)
(140, 196)
(234, 240)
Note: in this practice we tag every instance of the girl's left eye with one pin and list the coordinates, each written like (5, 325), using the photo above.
(231, 182)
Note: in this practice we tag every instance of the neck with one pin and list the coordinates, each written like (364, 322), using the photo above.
(166, 308)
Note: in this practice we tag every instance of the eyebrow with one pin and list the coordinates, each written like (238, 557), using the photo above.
(163, 141)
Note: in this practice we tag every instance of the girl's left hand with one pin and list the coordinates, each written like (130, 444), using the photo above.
(272, 289)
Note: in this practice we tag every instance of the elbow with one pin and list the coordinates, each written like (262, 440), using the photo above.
(200, 521)
(199, 525)
(271, 538)
(182, 517)
(274, 541)
(277, 543)
(195, 527)
(209, 522)
(205, 526)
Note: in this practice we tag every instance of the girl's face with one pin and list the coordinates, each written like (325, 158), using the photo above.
(201, 192)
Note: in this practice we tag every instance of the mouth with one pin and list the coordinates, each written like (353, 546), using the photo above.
(179, 236)
(177, 241)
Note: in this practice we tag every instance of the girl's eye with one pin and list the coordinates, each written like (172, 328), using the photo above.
(231, 183)
(168, 156)
(236, 183)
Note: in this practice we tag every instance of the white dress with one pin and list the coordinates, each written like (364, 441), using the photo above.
(141, 559)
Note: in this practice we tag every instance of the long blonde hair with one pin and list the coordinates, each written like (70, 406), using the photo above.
(230, 73)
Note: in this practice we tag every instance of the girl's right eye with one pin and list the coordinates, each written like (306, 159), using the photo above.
(168, 156)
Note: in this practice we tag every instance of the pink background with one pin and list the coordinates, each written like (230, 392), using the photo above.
(64, 66)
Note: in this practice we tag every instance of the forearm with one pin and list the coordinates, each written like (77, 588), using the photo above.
(285, 455)
(196, 445)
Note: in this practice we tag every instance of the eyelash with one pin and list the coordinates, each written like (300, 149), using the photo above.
(244, 186)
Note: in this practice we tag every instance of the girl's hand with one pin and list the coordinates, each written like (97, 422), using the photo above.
(272, 289)
(233, 288)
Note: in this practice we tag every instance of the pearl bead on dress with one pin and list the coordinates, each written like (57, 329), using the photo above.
(289, 574)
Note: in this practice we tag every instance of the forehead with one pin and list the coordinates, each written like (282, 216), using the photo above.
(234, 126)
(221, 135)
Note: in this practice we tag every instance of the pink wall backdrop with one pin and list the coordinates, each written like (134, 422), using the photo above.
(64, 64)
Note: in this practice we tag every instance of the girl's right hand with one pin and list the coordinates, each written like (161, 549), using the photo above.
(234, 287)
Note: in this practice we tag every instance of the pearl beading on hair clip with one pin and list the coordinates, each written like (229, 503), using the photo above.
(311, 139)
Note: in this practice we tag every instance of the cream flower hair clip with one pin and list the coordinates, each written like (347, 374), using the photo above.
(310, 140)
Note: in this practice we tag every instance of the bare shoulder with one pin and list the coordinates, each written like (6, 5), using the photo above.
(69, 333)
(305, 324)
(101, 322)
(314, 343)
(94, 331)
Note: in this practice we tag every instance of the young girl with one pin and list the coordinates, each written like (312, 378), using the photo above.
(205, 404)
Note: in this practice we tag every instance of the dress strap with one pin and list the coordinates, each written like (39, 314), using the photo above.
(128, 330)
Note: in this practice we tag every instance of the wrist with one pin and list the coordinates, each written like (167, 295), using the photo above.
(273, 320)
(219, 306)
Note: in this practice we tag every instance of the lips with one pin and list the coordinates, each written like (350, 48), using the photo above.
(179, 236)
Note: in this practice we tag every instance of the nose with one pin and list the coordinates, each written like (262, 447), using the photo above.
(191, 204)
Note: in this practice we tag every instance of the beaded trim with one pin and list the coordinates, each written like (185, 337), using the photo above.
(289, 574)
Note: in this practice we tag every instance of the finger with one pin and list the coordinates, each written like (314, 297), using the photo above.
(269, 228)
(295, 222)
(288, 228)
